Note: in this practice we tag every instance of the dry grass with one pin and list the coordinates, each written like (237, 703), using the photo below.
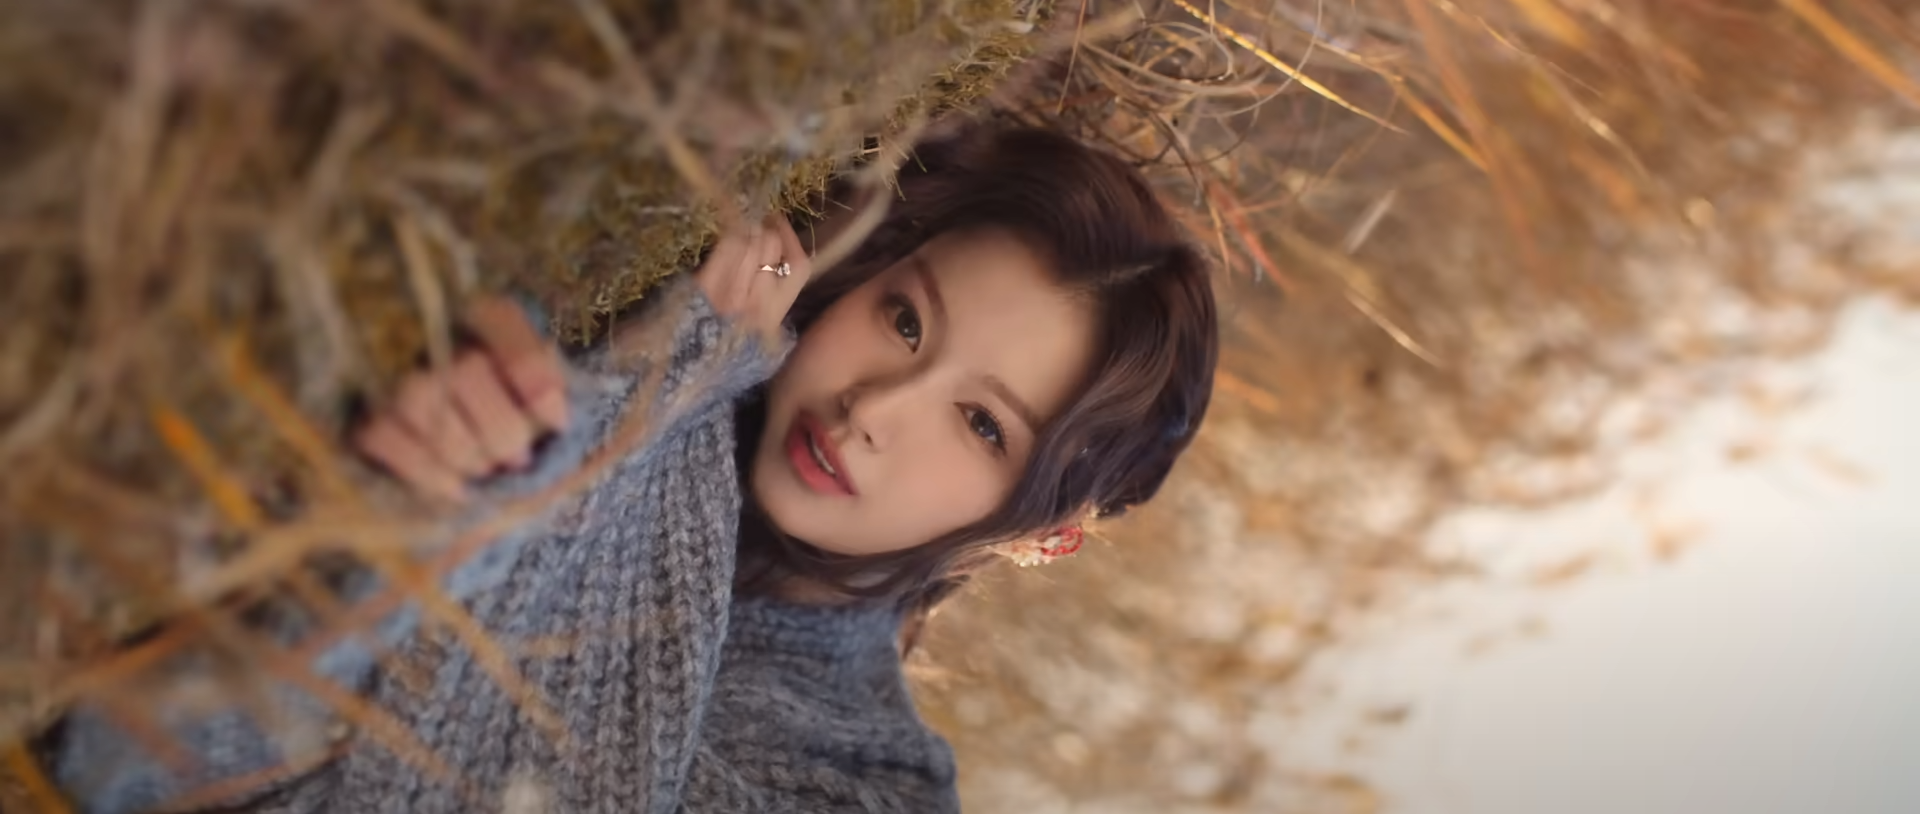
(217, 218)
(1453, 234)
(220, 219)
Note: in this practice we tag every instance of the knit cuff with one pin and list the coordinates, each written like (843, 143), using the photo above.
(711, 362)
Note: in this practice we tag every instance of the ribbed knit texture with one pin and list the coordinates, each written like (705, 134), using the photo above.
(619, 606)
(811, 713)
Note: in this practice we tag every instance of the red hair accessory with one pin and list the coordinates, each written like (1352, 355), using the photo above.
(1063, 542)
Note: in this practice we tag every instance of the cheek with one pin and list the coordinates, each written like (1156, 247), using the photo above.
(805, 372)
(943, 487)
(822, 356)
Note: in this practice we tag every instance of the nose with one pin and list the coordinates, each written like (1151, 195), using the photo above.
(875, 410)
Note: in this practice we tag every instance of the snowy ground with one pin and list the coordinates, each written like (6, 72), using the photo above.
(1730, 628)
(1724, 623)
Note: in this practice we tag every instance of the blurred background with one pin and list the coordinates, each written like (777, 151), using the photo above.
(1712, 623)
(1561, 460)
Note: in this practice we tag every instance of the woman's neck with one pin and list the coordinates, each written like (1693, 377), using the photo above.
(801, 590)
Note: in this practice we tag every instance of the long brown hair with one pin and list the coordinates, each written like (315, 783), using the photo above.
(1110, 240)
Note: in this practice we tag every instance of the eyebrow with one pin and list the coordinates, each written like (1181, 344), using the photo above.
(923, 272)
(1020, 408)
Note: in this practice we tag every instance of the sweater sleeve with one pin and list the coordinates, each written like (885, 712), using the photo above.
(706, 361)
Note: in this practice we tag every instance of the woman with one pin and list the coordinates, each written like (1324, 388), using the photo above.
(1024, 342)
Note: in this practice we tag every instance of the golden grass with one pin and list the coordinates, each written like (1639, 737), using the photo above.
(37, 792)
(1215, 25)
(219, 220)
(1858, 50)
(1411, 311)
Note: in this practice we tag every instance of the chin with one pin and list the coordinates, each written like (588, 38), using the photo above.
(782, 503)
(785, 507)
(759, 489)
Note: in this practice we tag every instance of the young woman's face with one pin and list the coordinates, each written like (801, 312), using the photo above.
(910, 408)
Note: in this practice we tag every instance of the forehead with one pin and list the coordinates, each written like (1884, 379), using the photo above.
(1004, 315)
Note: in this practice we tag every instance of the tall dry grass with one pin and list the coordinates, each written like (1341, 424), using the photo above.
(220, 219)
(1453, 236)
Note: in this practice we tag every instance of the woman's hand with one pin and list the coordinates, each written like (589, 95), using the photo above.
(477, 416)
(741, 275)
(484, 412)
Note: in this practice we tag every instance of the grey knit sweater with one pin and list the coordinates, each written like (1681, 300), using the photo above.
(670, 696)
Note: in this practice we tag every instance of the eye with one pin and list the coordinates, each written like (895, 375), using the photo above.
(983, 424)
(906, 321)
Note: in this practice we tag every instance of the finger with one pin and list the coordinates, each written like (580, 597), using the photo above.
(791, 249)
(775, 294)
(425, 406)
(740, 268)
(529, 363)
(726, 212)
(730, 245)
(385, 442)
(753, 252)
(723, 275)
(505, 432)
(770, 249)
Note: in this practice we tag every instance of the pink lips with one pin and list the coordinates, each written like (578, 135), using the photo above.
(807, 432)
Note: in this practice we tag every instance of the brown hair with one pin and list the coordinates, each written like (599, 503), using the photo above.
(1111, 240)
